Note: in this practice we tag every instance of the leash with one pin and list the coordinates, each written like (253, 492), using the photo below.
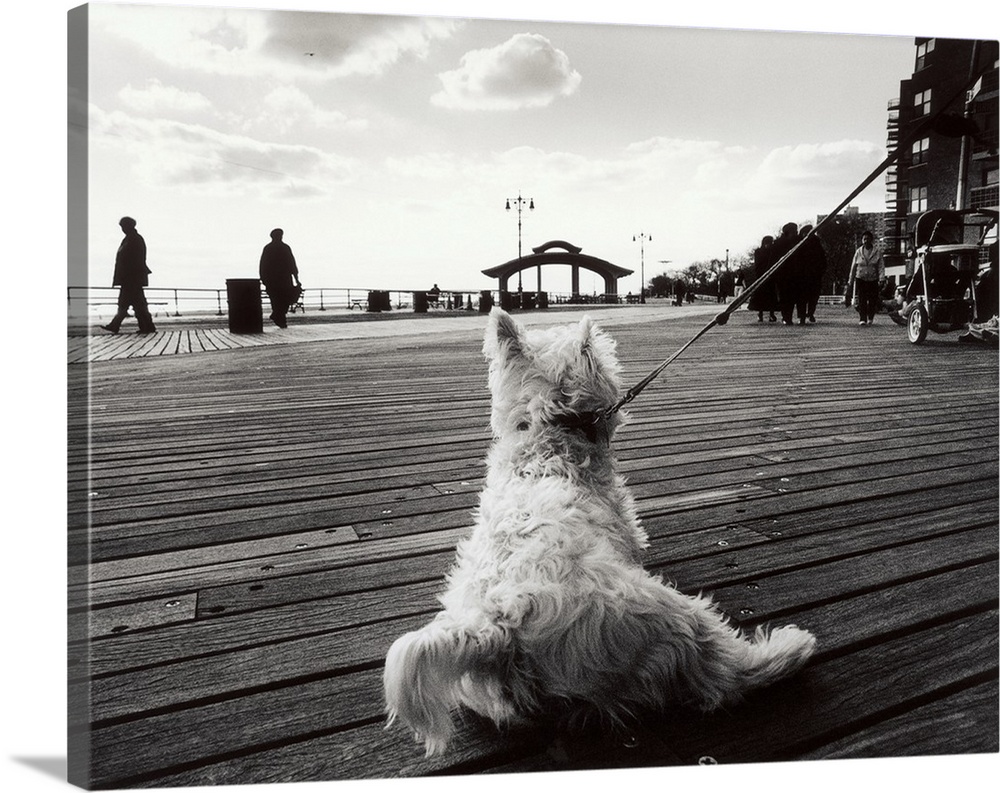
(723, 317)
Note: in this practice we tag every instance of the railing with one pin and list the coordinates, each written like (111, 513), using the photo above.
(97, 301)
(185, 301)
(92, 303)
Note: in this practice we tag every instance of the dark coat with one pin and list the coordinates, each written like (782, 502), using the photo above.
(764, 298)
(813, 262)
(788, 279)
(277, 266)
(130, 262)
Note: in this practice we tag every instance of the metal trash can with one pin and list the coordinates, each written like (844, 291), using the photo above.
(378, 300)
(246, 312)
(419, 302)
(506, 301)
(543, 299)
(485, 301)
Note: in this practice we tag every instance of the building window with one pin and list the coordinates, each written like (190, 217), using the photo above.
(923, 50)
(922, 103)
(920, 150)
(918, 199)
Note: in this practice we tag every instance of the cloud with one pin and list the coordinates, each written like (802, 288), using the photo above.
(287, 107)
(811, 162)
(192, 157)
(341, 44)
(658, 161)
(159, 99)
(277, 44)
(525, 71)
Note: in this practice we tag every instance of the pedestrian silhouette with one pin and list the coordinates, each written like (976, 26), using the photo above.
(787, 280)
(280, 276)
(764, 298)
(131, 276)
(813, 265)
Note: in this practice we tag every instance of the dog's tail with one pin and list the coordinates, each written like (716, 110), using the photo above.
(774, 654)
(429, 673)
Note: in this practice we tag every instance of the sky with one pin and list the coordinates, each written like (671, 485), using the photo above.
(388, 145)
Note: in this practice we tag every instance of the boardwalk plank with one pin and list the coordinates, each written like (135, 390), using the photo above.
(839, 479)
(342, 755)
(910, 668)
(968, 716)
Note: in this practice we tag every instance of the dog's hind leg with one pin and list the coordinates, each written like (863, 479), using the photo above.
(431, 671)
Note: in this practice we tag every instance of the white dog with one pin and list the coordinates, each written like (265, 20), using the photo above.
(548, 608)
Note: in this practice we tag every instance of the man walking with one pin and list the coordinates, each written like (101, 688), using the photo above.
(280, 276)
(131, 276)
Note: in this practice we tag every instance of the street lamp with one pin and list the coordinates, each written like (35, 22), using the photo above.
(519, 203)
(642, 237)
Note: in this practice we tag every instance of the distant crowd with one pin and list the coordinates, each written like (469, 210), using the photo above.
(794, 290)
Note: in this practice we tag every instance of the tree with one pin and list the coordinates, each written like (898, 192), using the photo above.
(840, 238)
(661, 286)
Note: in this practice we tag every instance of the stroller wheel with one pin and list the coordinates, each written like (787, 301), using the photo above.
(916, 325)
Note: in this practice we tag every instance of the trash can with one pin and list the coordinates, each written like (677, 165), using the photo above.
(419, 302)
(246, 313)
(506, 301)
(458, 301)
(485, 301)
(378, 300)
(543, 299)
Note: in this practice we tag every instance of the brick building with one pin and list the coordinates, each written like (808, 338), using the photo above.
(954, 163)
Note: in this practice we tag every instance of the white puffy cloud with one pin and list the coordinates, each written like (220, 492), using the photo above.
(288, 106)
(525, 71)
(809, 168)
(157, 99)
(173, 154)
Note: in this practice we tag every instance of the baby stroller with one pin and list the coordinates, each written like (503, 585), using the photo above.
(951, 247)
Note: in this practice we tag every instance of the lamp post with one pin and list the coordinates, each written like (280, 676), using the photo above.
(642, 237)
(519, 203)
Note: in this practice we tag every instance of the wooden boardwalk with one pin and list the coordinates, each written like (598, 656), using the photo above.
(263, 522)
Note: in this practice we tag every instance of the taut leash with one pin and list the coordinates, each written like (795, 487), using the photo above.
(723, 317)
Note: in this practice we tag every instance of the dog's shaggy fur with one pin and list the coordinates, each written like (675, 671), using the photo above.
(548, 608)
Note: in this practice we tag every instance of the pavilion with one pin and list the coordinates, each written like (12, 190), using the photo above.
(561, 252)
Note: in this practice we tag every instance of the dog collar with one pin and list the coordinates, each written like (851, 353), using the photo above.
(582, 422)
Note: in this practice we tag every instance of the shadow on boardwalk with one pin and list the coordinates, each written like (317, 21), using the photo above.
(264, 522)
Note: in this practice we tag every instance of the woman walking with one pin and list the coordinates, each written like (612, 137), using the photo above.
(866, 279)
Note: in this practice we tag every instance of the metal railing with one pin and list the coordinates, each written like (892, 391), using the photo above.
(87, 301)
(97, 301)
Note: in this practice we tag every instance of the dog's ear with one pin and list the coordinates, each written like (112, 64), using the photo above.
(502, 333)
(586, 333)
